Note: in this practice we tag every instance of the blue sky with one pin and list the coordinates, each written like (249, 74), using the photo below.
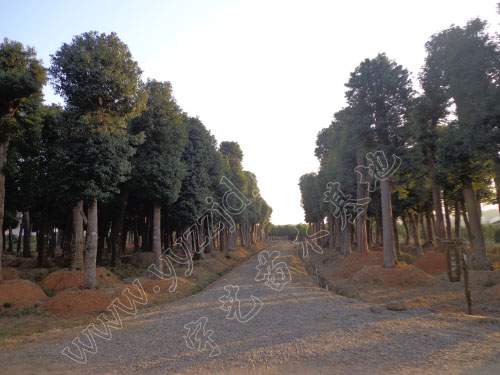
(267, 74)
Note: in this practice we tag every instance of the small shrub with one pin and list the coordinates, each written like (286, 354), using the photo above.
(7, 304)
(497, 236)
(49, 292)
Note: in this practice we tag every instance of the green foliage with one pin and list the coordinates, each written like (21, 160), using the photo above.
(49, 292)
(21, 78)
(7, 305)
(95, 73)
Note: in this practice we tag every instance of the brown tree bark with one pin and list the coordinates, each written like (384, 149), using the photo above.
(157, 236)
(44, 235)
(345, 242)
(479, 261)
(396, 235)
(4, 146)
(416, 234)
(390, 259)
(466, 221)
(338, 233)
(448, 221)
(76, 253)
(361, 193)
(436, 193)
(91, 247)
(331, 229)
(117, 230)
(27, 235)
(407, 230)
(20, 237)
(458, 229)
(10, 248)
(424, 231)
(428, 222)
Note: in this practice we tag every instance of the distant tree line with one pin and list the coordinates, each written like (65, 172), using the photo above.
(120, 159)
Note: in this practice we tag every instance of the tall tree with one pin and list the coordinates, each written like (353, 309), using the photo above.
(380, 90)
(157, 166)
(101, 85)
(467, 65)
(21, 76)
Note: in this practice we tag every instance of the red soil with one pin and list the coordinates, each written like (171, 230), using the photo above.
(20, 294)
(61, 280)
(399, 276)
(432, 262)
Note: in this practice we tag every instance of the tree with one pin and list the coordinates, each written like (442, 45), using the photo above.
(379, 92)
(466, 66)
(22, 76)
(101, 85)
(157, 166)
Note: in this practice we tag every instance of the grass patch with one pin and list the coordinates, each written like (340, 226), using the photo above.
(49, 292)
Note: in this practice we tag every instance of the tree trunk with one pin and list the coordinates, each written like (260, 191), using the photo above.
(422, 225)
(157, 236)
(436, 195)
(136, 237)
(407, 230)
(222, 240)
(428, 222)
(20, 237)
(466, 221)
(361, 193)
(101, 236)
(338, 233)
(27, 235)
(331, 229)
(390, 259)
(448, 221)
(345, 242)
(458, 229)
(117, 230)
(497, 181)
(44, 235)
(10, 249)
(396, 235)
(416, 234)
(3, 160)
(76, 253)
(479, 261)
(91, 247)
(369, 234)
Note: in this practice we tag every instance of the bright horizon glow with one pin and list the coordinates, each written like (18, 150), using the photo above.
(266, 74)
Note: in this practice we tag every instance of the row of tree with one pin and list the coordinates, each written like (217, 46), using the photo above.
(120, 158)
(446, 137)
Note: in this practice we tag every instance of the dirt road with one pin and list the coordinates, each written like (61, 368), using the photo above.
(274, 325)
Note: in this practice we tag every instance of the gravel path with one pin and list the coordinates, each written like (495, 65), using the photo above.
(301, 329)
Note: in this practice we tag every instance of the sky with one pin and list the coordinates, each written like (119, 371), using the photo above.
(266, 74)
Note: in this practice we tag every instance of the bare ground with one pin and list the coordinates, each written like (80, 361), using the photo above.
(301, 329)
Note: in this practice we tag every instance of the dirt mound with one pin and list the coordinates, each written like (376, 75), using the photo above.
(35, 274)
(353, 263)
(160, 289)
(141, 260)
(399, 276)
(18, 294)
(61, 280)
(74, 303)
(484, 278)
(432, 262)
(10, 273)
(495, 292)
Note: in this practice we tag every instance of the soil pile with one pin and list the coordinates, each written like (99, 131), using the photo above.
(61, 280)
(19, 294)
(400, 276)
(432, 262)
